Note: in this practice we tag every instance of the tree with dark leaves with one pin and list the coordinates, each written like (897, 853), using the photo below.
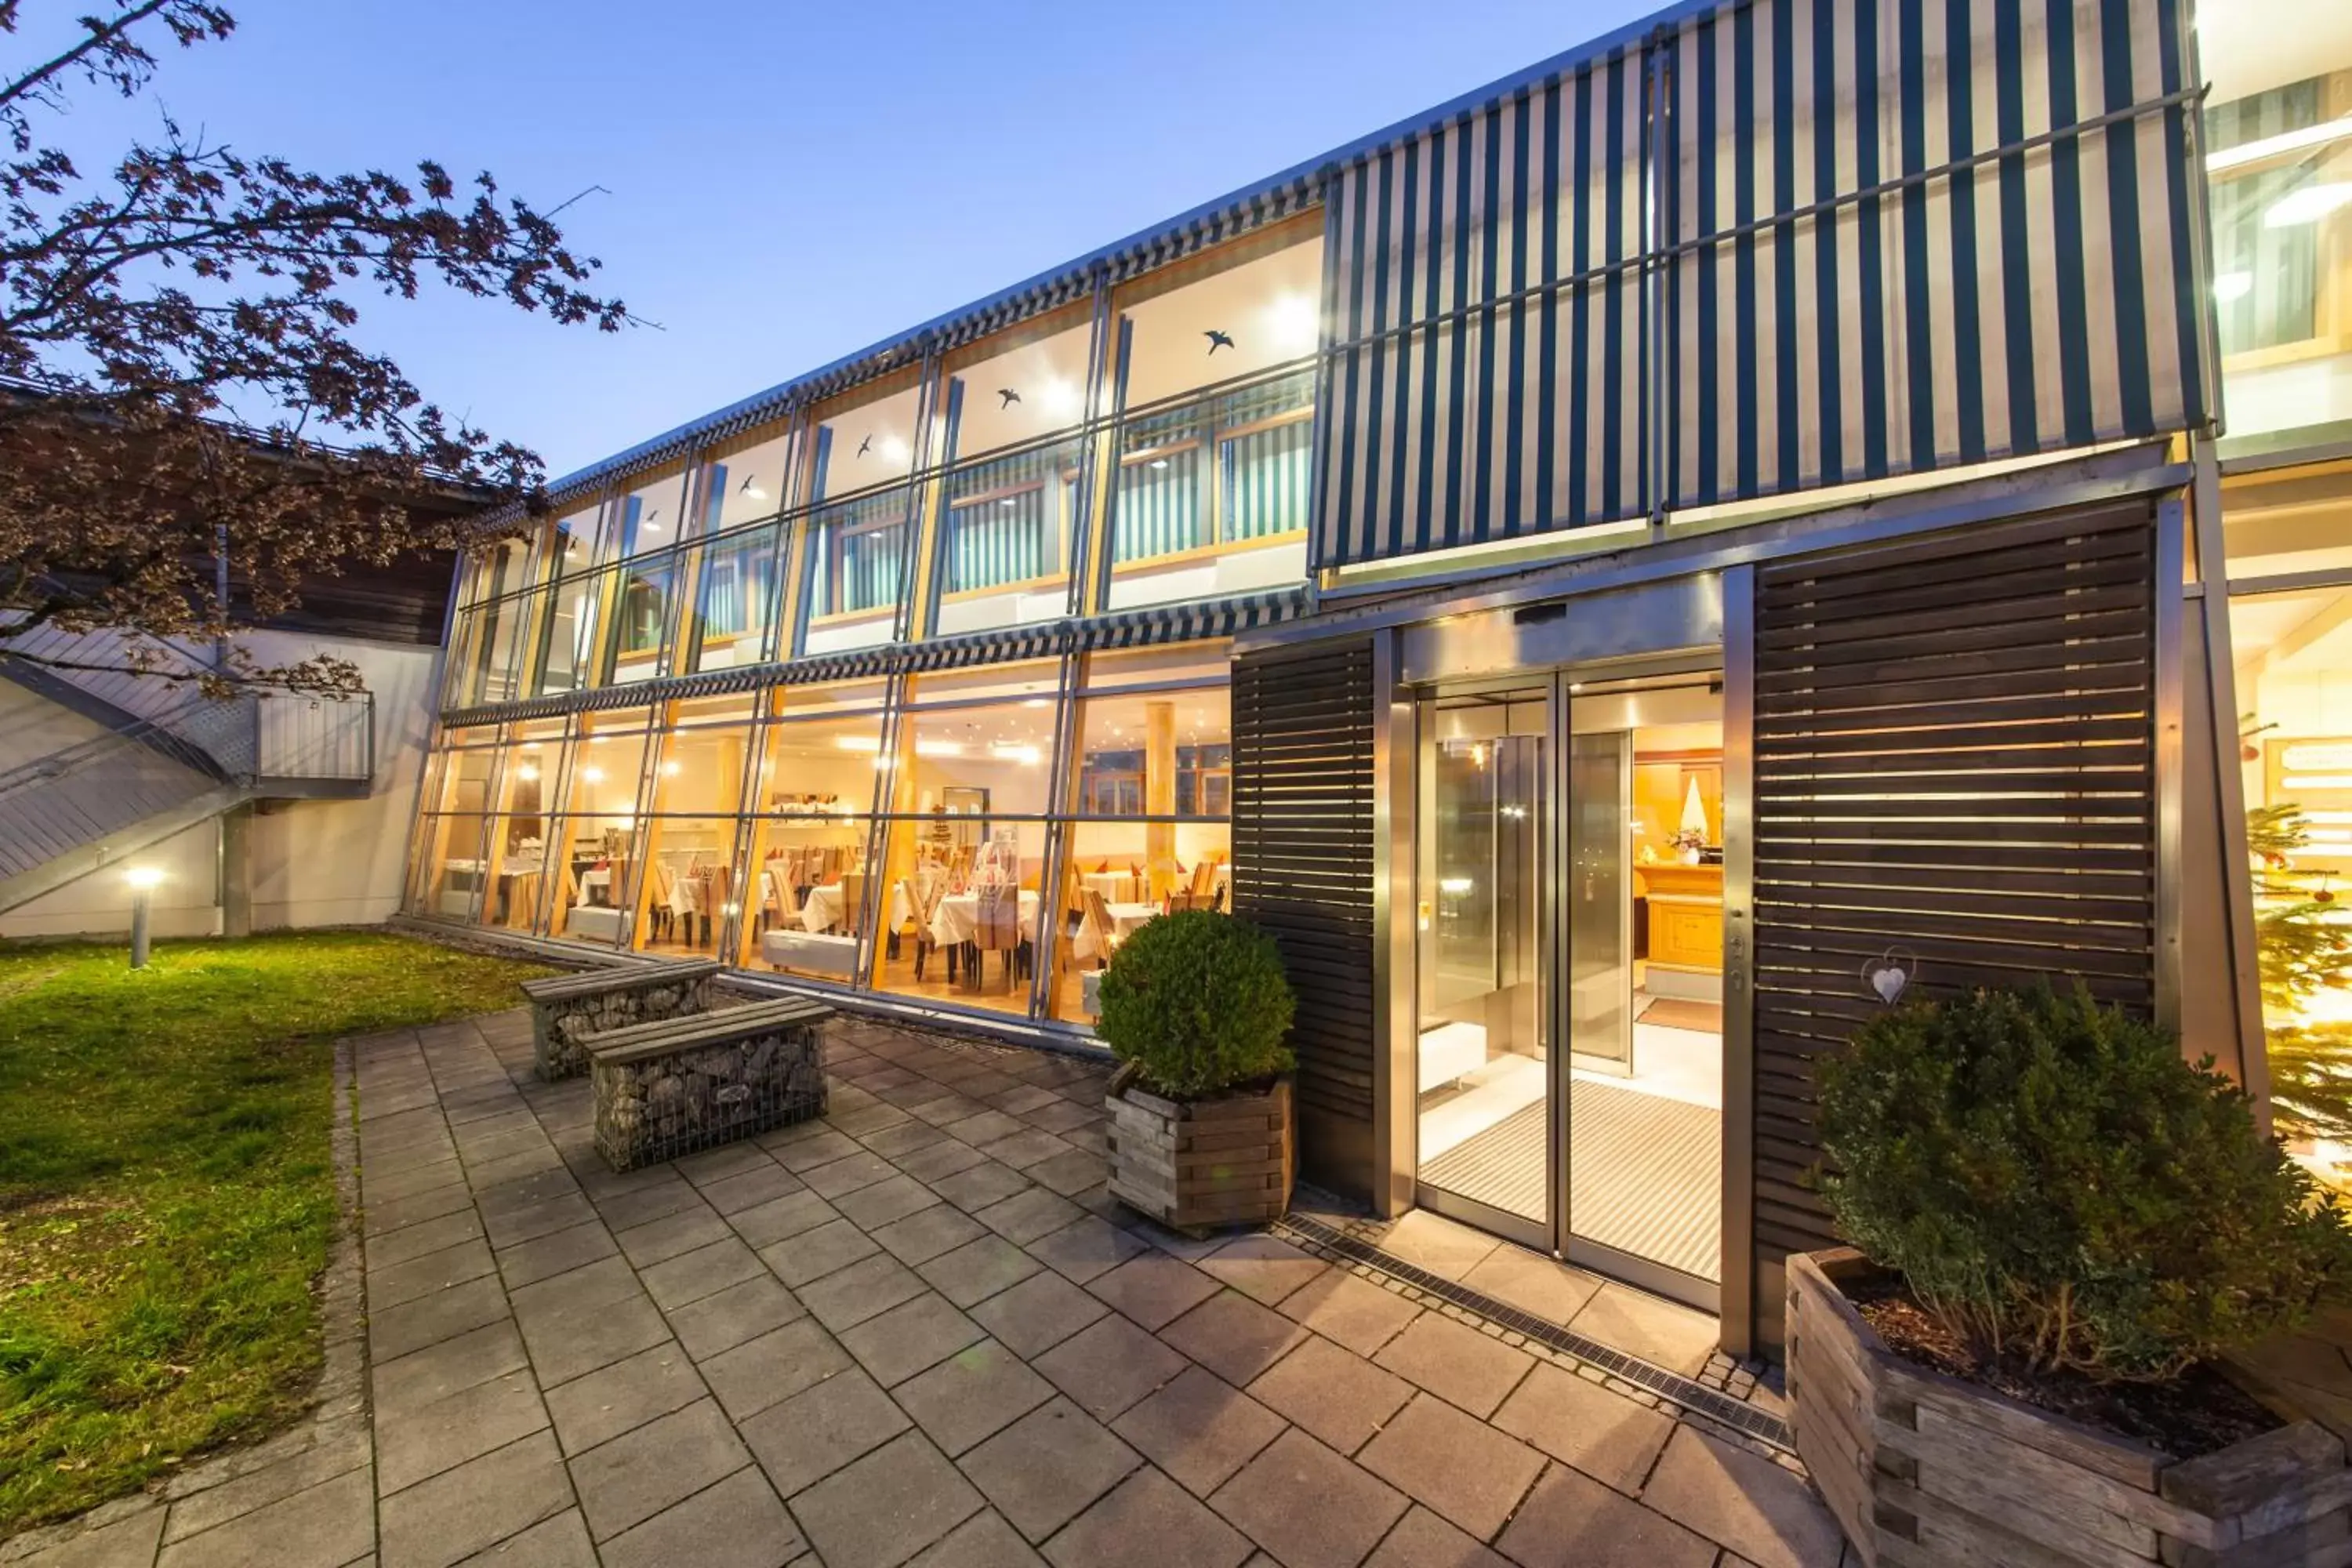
(184, 402)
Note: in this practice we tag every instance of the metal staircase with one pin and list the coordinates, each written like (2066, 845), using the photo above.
(170, 758)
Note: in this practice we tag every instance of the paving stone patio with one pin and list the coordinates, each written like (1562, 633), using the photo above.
(918, 1331)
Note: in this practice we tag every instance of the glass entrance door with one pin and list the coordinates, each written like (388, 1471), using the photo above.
(1484, 1066)
(1569, 892)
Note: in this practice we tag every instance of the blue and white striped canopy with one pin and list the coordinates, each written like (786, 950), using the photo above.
(1774, 245)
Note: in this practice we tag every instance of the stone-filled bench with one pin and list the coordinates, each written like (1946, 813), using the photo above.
(680, 1085)
(564, 1008)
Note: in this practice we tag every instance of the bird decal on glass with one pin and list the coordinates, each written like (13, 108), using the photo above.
(1218, 340)
(1009, 396)
(866, 446)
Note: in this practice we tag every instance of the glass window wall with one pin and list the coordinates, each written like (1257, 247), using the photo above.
(1151, 795)
(700, 784)
(738, 600)
(806, 896)
(1005, 539)
(903, 834)
(597, 843)
(748, 485)
(1218, 389)
(2278, 160)
(514, 884)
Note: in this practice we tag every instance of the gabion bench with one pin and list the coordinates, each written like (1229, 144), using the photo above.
(565, 1008)
(680, 1085)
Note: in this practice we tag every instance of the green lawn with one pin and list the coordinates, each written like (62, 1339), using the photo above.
(167, 1195)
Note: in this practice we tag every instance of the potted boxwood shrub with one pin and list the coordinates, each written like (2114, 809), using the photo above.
(2060, 1231)
(1197, 1009)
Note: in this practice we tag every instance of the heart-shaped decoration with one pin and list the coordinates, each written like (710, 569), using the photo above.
(1888, 975)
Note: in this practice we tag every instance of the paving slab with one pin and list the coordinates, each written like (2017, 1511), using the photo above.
(887, 1507)
(801, 1440)
(1148, 1521)
(1457, 1466)
(1200, 1429)
(1743, 1501)
(623, 1396)
(1049, 1467)
(1569, 1520)
(1308, 1505)
(1455, 1362)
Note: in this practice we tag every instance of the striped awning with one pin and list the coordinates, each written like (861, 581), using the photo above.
(1890, 237)
(1487, 306)
(1045, 640)
(1913, 235)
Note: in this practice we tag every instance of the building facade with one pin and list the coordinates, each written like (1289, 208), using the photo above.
(1624, 575)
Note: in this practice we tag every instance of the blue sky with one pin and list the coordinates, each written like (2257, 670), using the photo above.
(784, 184)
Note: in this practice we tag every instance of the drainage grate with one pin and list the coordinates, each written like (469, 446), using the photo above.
(1712, 1403)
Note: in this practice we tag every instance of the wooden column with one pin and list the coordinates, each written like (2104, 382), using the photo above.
(1159, 797)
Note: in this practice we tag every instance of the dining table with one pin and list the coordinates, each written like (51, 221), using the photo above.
(1125, 918)
(827, 908)
(957, 919)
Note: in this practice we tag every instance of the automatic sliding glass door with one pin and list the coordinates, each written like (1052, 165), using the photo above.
(1486, 1128)
(1568, 888)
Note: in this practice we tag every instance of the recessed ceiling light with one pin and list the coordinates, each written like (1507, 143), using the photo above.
(2308, 205)
(2229, 286)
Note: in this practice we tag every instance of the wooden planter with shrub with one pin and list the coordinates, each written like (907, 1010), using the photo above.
(1921, 1469)
(2064, 1231)
(1201, 1133)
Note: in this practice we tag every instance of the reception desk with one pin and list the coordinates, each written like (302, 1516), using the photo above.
(1686, 916)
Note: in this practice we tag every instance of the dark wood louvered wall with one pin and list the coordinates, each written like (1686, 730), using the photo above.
(1303, 870)
(1953, 760)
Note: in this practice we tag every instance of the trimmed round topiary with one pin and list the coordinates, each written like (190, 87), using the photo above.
(2064, 1192)
(1197, 1002)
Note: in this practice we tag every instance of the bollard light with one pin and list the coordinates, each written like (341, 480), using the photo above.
(142, 880)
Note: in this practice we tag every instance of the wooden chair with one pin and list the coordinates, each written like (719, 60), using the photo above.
(1204, 877)
(923, 894)
(1105, 928)
(997, 928)
(853, 901)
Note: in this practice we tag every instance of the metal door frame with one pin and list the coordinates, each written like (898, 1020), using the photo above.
(1556, 1234)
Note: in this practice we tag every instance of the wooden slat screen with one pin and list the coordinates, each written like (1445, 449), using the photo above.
(1302, 833)
(1954, 759)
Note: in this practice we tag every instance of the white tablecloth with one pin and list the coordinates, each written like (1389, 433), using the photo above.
(827, 908)
(1114, 886)
(1123, 918)
(958, 918)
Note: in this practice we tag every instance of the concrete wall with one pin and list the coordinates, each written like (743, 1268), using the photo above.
(310, 862)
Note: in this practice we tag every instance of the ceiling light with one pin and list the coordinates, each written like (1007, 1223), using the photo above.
(2287, 141)
(1010, 501)
(2308, 205)
(1159, 462)
(528, 774)
(1292, 323)
(938, 749)
(1027, 756)
(750, 487)
(1038, 702)
(858, 742)
(592, 775)
(1061, 399)
(670, 767)
(2229, 286)
(894, 450)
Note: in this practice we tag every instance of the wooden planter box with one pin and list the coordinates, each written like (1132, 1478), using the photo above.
(1922, 1469)
(1196, 1164)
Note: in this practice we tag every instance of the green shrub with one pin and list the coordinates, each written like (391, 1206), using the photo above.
(2064, 1192)
(1197, 1002)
